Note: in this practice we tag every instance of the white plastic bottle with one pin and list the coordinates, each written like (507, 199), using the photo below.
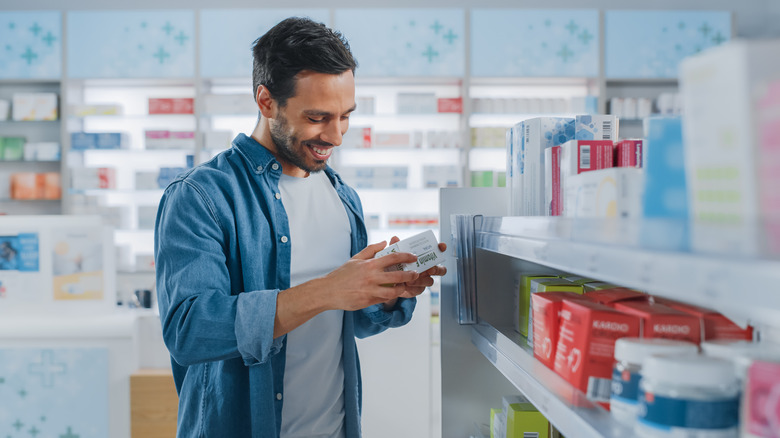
(627, 371)
(688, 397)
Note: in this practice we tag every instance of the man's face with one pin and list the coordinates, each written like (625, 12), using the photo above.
(307, 129)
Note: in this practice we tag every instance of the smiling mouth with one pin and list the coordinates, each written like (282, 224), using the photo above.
(320, 152)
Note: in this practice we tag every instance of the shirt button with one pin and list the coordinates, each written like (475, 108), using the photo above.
(259, 169)
(278, 395)
(284, 239)
(275, 166)
(278, 196)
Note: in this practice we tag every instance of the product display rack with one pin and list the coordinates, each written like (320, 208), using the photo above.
(603, 250)
(499, 361)
(32, 131)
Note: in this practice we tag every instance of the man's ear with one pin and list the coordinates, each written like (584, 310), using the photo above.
(265, 102)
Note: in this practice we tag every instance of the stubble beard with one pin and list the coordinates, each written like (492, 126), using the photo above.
(285, 147)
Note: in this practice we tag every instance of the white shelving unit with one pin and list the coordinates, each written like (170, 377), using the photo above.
(604, 250)
(32, 131)
(500, 361)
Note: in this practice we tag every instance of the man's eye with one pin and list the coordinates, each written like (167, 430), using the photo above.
(315, 120)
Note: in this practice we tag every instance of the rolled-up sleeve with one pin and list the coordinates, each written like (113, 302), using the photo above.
(203, 319)
(376, 319)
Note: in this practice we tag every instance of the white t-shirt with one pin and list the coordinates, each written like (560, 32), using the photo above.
(314, 375)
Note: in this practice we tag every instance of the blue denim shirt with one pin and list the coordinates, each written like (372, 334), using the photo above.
(222, 256)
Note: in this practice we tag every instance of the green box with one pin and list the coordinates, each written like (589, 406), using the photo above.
(493, 413)
(523, 418)
(523, 300)
(482, 178)
(576, 279)
(501, 179)
(13, 148)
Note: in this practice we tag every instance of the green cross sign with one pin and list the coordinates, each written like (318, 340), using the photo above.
(29, 55)
(49, 39)
(436, 26)
(69, 434)
(705, 29)
(181, 38)
(35, 29)
(161, 55)
(450, 36)
(430, 53)
(585, 36)
(168, 28)
(565, 53)
(572, 27)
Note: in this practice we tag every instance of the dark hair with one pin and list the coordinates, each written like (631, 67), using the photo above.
(294, 45)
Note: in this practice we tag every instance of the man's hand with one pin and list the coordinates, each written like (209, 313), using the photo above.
(362, 281)
(417, 286)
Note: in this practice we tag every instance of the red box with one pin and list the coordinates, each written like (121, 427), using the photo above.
(546, 309)
(714, 325)
(450, 105)
(183, 105)
(586, 345)
(160, 106)
(628, 153)
(661, 321)
(579, 156)
(614, 295)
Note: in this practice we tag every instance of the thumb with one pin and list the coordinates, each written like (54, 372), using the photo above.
(370, 251)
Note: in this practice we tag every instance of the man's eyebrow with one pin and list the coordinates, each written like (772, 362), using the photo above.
(321, 113)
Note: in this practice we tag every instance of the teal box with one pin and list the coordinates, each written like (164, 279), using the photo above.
(665, 199)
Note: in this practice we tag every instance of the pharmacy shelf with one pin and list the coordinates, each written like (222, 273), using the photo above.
(563, 405)
(609, 251)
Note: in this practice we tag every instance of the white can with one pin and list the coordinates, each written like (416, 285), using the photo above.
(629, 355)
(688, 397)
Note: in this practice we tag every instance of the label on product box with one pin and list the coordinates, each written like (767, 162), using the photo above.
(662, 321)
(586, 345)
(628, 153)
(596, 127)
(423, 245)
(625, 389)
(714, 324)
(678, 417)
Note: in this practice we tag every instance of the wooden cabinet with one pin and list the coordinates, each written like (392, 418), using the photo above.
(154, 404)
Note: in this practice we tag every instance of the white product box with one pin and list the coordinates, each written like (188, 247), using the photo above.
(441, 176)
(88, 178)
(540, 133)
(229, 104)
(416, 103)
(147, 180)
(606, 193)
(423, 245)
(392, 139)
(147, 214)
(515, 162)
(42, 151)
(357, 137)
(598, 126)
(731, 96)
(5, 109)
(35, 106)
(83, 110)
(217, 140)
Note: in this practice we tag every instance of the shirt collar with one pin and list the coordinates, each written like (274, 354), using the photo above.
(258, 156)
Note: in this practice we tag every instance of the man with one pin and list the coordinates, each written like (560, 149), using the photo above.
(259, 299)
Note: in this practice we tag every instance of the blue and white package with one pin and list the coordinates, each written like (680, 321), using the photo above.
(596, 127)
(665, 195)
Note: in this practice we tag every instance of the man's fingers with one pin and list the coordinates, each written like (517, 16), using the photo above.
(370, 251)
(443, 247)
(395, 258)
